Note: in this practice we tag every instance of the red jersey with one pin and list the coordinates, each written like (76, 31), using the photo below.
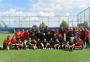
(78, 42)
(57, 34)
(79, 34)
(13, 41)
(7, 42)
(17, 34)
(22, 34)
(26, 35)
(87, 34)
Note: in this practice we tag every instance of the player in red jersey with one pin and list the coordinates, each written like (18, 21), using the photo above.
(57, 33)
(7, 43)
(26, 35)
(17, 35)
(13, 42)
(87, 38)
(22, 35)
(78, 43)
(19, 44)
(79, 32)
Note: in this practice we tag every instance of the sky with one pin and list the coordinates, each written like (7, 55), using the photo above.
(43, 7)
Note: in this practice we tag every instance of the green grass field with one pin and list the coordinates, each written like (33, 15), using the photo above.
(43, 55)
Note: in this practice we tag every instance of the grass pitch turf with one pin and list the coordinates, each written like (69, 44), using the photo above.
(43, 55)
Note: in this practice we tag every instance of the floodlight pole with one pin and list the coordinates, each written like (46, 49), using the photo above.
(68, 21)
(78, 20)
(89, 16)
(29, 21)
(48, 20)
(19, 22)
(84, 16)
(9, 20)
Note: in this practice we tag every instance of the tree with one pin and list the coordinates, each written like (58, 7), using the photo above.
(84, 24)
(42, 26)
(64, 24)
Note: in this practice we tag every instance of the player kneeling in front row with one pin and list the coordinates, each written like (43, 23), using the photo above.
(19, 44)
(13, 43)
(71, 43)
(56, 44)
(46, 44)
(6, 43)
(33, 44)
(78, 43)
(16, 44)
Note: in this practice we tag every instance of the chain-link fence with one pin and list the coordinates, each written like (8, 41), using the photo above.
(84, 17)
(29, 21)
(51, 21)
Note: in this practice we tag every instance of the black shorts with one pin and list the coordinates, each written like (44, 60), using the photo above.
(87, 40)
